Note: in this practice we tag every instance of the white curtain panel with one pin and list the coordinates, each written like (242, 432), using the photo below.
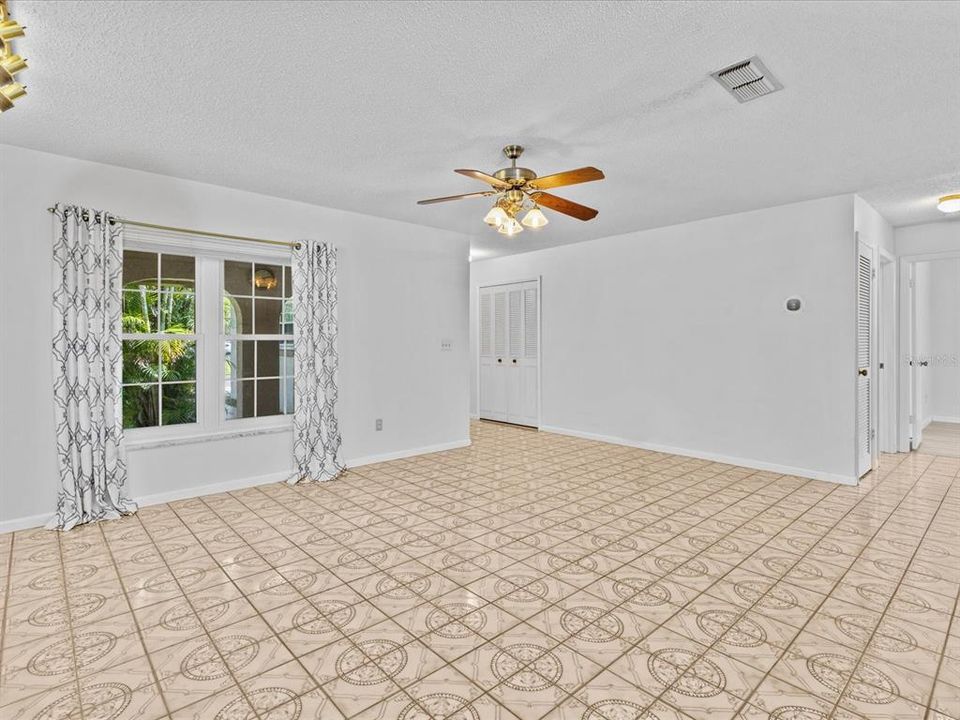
(88, 268)
(316, 436)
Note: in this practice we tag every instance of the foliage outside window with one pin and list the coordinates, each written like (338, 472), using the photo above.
(159, 340)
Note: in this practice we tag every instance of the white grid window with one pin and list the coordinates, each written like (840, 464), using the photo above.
(258, 342)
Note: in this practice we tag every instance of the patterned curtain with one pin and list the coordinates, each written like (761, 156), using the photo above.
(88, 264)
(316, 437)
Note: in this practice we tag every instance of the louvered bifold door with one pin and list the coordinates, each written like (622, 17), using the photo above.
(864, 359)
(493, 353)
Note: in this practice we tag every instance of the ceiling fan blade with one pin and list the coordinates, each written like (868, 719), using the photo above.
(567, 207)
(483, 177)
(570, 177)
(485, 193)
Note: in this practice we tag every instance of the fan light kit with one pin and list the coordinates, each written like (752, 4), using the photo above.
(519, 191)
(10, 62)
(949, 203)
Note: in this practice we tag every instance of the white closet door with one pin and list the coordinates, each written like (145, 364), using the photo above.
(524, 386)
(493, 349)
(509, 367)
(864, 359)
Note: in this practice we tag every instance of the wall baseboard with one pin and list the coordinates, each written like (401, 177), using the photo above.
(714, 457)
(34, 521)
(945, 418)
(397, 455)
(24, 523)
(213, 488)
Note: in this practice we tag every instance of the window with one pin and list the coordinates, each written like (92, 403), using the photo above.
(207, 343)
(159, 340)
(258, 345)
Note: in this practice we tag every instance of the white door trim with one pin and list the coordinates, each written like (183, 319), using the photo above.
(480, 288)
(904, 334)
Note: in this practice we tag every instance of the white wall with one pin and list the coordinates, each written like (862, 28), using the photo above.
(872, 227)
(677, 338)
(943, 236)
(942, 349)
(402, 288)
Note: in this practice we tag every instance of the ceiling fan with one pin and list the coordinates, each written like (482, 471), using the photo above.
(519, 188)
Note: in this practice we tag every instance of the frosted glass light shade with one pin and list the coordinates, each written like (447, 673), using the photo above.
(496, 217)
(949, 203)
(510, 227)
(535, 218)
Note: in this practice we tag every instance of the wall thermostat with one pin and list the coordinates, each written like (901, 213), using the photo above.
(793, 304)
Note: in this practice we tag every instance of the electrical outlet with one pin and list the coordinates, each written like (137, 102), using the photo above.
(379, 426)
(446, 345)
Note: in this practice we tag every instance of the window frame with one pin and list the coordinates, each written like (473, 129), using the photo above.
(211, 423)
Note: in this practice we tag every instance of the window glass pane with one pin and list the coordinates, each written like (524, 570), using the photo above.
(287, 281)
(286, 358)
(178, 272)
(139, 268)
(238, 357)
(177, 311)
(178, 360)
(268, 358)
(267, 320)
(238, 399)
(267, 280)
(139, 311)
(141, 361)
(179, 403)
(238, 278)
(286, 388)
(286, 317)
(140, 406)
(268, 398)
(237, 316)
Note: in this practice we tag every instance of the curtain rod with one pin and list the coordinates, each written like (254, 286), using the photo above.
(188, 231)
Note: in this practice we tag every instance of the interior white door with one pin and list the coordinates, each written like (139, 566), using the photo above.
(509, 353)
(865, 390)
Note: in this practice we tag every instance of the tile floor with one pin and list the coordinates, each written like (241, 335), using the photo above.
(530, 575)
(941, 438)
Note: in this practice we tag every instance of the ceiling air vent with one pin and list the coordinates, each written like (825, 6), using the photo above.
(747, 80)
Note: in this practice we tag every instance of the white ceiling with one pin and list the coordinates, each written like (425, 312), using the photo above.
(369, 106)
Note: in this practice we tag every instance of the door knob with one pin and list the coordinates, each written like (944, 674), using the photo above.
(500, 360)
(514, 361)
(862, 371)
(924, 363)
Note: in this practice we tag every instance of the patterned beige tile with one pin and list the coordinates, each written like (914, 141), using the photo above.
(656, 586)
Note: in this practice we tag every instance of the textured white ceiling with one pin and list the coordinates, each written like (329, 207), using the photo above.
(369, 106)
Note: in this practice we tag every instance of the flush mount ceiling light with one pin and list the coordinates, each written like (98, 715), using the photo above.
(518, 189)
(10, 62)
(949, 203)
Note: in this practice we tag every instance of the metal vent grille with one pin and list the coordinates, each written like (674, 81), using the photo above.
(747, 80)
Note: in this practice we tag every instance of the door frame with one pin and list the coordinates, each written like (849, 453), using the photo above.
(887, 321)
(538, 280)
(905, 303)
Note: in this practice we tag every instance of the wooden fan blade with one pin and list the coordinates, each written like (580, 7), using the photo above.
(567, 207)
(570, 177)
(483, 177)
(485, 193)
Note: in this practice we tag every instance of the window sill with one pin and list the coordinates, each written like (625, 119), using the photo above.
(144, 443)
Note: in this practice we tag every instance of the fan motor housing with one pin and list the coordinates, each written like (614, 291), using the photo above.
(515, 175)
